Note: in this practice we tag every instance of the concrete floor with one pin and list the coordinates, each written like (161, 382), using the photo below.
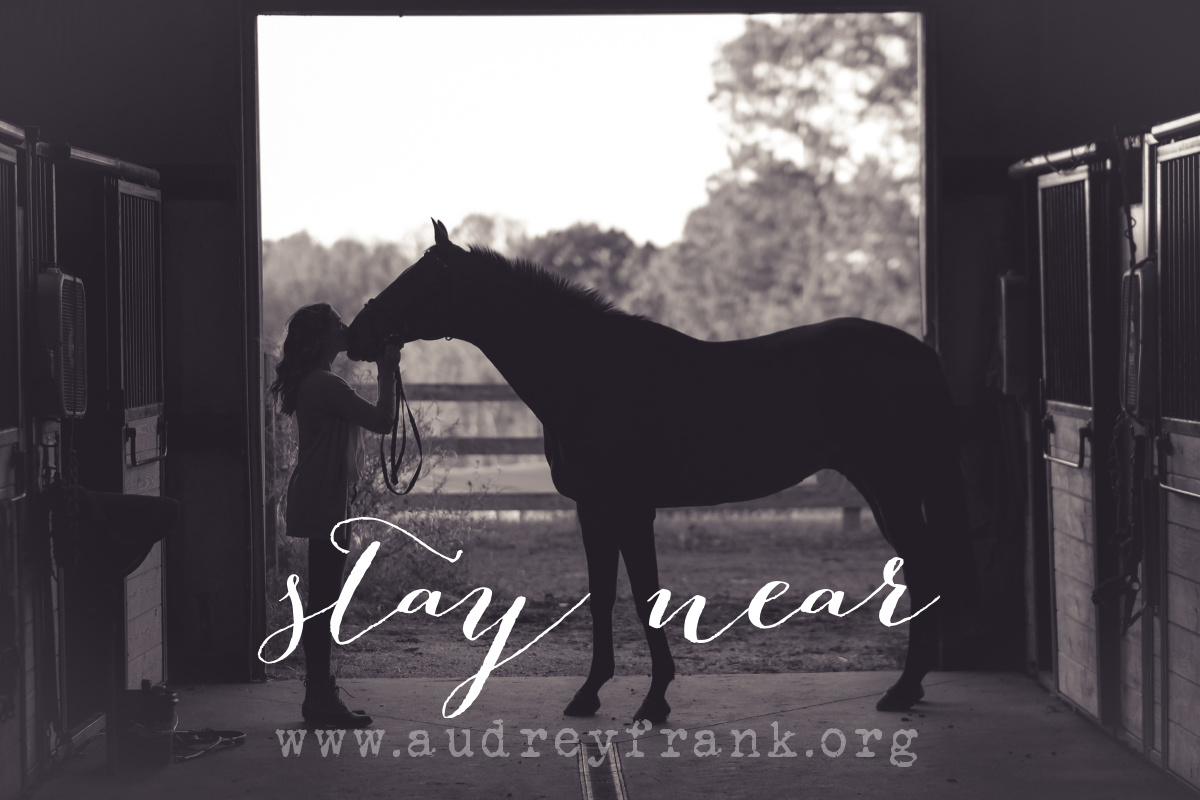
(978, 735)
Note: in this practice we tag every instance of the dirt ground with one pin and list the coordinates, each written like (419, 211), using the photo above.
(726, 560)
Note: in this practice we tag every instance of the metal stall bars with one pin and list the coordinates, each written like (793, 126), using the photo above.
(1173, 174)
(109, 222)
(1080, 200)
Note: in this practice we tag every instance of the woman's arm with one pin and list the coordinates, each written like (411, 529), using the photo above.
(338, 398)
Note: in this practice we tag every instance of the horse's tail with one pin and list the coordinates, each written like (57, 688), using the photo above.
(944, 496)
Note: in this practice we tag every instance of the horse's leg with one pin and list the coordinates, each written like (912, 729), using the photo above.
(600, 545)
(899, 513)
(641, 563)
(901, 695)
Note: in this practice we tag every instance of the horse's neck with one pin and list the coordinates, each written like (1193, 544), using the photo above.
(530, 352)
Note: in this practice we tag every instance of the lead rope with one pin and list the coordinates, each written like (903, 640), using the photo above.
(391, 471)
(1128, 538)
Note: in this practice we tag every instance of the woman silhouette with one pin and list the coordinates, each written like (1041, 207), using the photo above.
(329, 418)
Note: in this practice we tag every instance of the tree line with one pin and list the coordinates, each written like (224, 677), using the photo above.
(804, 224)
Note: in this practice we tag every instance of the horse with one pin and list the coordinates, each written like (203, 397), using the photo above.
(638, 416)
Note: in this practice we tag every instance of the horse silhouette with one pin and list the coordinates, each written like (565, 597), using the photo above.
(638, 416)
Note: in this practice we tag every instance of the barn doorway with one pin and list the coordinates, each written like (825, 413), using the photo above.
(727, 175)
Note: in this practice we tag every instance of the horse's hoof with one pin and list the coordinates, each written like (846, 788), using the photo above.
(582, 705)
(656, 711)
(899, 698)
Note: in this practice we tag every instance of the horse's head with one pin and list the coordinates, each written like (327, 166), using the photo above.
(419, 304)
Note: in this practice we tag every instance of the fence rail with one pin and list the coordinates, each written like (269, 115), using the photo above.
(829, 490)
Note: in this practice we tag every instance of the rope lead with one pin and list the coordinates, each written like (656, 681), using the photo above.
(391, 471)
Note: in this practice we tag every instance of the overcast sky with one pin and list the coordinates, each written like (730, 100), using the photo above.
(372, 125)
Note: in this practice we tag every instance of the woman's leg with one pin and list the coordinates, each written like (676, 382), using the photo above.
(325, 567)
(322, 702)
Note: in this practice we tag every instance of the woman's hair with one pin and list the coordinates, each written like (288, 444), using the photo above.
(303, 348)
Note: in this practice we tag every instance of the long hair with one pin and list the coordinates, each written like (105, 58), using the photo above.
(303, 347)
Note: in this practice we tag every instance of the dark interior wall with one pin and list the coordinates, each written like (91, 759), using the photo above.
(1026, 76)
(1012, 80)
(148, 81)
(1114, 63)
(159, 84)
(1022, 77)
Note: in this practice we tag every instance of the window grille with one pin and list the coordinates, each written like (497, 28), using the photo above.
(141, 315)
(43, 247)
(1064, 244)
(1179, 279)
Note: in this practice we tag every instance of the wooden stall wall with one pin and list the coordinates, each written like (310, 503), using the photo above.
(1079, 285)
(1128, 658)
(135, 247)
(160, 85)
(1181, 675)
(1176, 176)
(1074, 542)
(109, 235)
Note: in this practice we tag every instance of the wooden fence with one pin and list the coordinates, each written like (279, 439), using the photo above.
(829, 490)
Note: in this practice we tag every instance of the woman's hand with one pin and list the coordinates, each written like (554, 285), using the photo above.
(390, 361)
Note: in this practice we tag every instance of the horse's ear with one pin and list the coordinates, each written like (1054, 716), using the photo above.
(440, 236)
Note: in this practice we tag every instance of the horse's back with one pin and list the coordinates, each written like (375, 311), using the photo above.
(836, 369)
(695, 422)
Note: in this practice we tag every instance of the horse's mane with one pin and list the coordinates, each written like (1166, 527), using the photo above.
(535, 282)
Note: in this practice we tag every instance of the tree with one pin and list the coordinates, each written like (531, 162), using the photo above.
(808, 87)
(499, 233)
(806, 223)
(601, 259)
(298, 270)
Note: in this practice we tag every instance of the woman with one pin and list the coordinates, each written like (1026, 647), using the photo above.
(329, 416)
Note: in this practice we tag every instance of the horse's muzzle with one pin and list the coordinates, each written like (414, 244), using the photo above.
(358, 351)
(361, 345)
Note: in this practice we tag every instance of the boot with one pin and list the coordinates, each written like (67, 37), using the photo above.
(324, 708)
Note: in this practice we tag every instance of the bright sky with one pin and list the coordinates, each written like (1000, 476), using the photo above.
(371, 125)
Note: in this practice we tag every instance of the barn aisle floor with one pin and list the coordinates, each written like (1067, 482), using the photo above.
(977, 735)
